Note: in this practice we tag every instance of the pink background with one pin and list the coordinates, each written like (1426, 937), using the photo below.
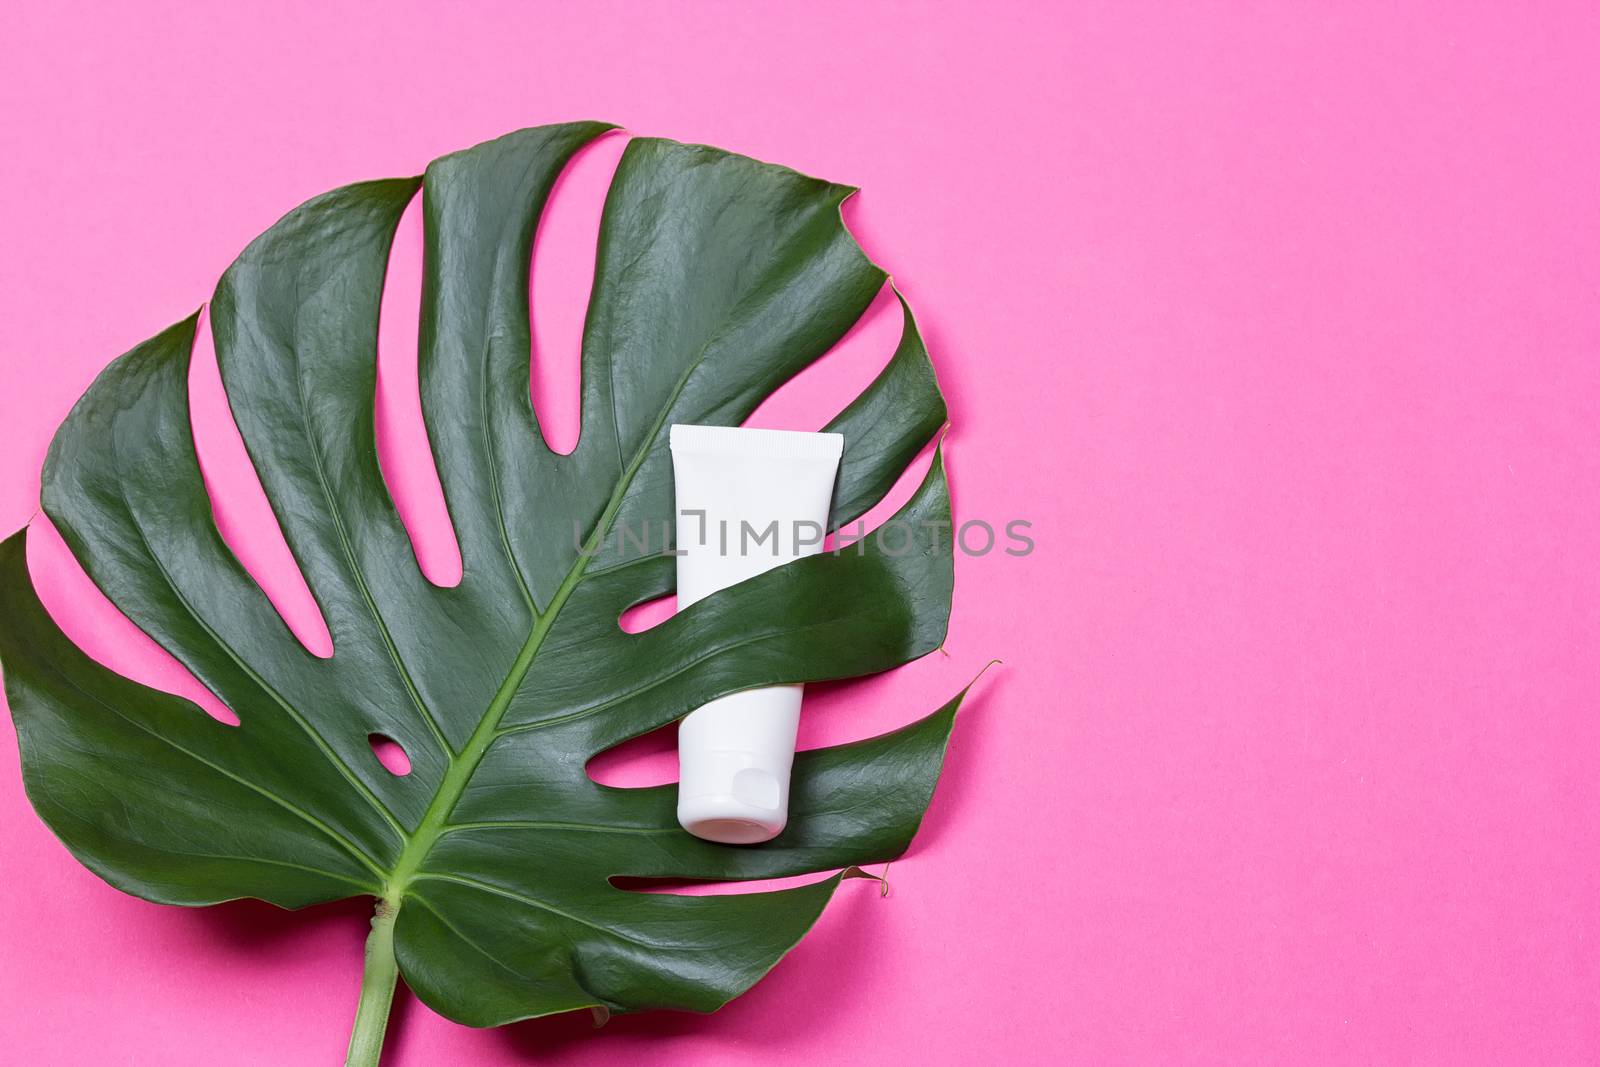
(1279, 322)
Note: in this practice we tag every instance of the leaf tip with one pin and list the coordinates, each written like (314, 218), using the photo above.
(981, 672)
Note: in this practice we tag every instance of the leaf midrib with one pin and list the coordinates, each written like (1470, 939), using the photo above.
(465, 764)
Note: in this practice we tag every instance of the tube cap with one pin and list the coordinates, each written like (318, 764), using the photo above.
(734, 758)
(734, 798)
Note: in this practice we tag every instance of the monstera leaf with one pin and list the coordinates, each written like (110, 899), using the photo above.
(493, 861)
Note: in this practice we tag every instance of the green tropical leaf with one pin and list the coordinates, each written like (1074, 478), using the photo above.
(493, 861)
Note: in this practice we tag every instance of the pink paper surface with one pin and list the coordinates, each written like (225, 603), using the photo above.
(1280, 324)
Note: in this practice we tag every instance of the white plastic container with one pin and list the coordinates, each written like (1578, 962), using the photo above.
(747, 501)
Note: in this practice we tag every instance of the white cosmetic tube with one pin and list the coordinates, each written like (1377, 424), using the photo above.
(747, 501)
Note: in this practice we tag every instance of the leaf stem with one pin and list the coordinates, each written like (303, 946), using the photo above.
(381, 971)
(377, 989)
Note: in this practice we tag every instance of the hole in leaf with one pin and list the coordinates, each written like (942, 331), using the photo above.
(96, 626)
(901, 492)
(390, 754)
(243, 516)
(404, 454)
(810, 399)
(650, 759)
(642, 617)
(562, 272)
